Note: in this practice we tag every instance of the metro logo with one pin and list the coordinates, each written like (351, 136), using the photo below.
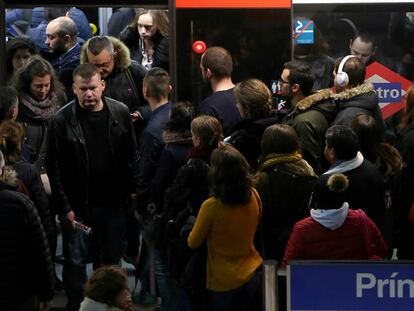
(389, 86)
(388, 92)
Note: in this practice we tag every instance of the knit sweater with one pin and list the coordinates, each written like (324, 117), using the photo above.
(232, 258)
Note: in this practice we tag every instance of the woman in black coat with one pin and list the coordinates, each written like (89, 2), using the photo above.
(147, 38)
(12, 135)
(40, 96)
(254, 102)
(284, 181)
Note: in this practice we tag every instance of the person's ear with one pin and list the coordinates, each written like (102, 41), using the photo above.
(115, 55)
(169, 88)
(295, 87)
(208, 73)
(103, 84)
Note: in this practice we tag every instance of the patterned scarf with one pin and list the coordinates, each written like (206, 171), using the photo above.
(276, 158)
(45, 108)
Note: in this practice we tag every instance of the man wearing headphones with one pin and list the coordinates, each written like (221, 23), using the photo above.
(353, 96)
(309, 114)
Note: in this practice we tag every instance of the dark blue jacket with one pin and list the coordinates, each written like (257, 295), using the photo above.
(150, 146)
(64, 66)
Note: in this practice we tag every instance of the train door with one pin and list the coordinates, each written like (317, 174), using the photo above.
(256, 33)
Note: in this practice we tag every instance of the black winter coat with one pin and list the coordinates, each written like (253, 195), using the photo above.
(67, 158)
(360, 99)
(285, 190)
(30, 177)
(247, 135)
(160, 57)
(26, 268)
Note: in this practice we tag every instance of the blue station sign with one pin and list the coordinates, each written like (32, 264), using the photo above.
(359, 286)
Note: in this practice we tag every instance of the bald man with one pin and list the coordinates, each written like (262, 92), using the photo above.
(61, 40)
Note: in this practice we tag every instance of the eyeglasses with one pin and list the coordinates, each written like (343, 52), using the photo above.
(105, 64)
(283, 81)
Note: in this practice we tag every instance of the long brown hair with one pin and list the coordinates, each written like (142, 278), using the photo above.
(209, 130)
(159, 17)
(230, 176)
(11, 140)
(407, 117)
(36, 67)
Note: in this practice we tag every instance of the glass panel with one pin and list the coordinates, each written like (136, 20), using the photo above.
(386, 43)
(259, 41)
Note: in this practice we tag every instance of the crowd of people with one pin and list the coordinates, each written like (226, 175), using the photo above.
(196, 195)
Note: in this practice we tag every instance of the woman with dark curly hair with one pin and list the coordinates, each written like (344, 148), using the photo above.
(40, 96)
(228, 221)
(254, 102)
(18, 52)
(147, 38)
(107, 290)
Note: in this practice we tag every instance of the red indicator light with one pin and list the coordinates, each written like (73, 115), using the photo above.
(199, 47)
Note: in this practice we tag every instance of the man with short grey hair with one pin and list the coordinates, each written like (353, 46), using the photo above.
(123, 77)
(61, 40)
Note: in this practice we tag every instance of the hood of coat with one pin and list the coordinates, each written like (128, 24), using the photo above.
(176, 137)
(362, 96)
(331, 218)
(9, 177)
(314, 99)
(123, 59)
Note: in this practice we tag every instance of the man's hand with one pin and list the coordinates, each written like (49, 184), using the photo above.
(68, 220)
(136, 115)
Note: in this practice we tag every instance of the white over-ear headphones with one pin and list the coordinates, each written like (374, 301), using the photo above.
(342, 78)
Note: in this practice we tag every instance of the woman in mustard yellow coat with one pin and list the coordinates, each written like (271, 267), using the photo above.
(228, 220)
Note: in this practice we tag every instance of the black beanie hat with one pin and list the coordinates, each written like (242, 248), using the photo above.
(330, 192)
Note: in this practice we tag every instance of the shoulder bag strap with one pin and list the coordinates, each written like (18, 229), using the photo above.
(131, 82)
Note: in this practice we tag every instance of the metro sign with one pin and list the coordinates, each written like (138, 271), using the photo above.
(389, 86)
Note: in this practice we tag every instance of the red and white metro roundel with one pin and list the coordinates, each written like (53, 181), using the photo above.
(389, 86)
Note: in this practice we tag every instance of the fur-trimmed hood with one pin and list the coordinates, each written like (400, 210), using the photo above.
(355, 91)
(315, 98)
(9, 177)
(360, 99)
(123, 59)
(176, 137)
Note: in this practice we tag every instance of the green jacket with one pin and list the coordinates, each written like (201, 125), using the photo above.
(311, 118)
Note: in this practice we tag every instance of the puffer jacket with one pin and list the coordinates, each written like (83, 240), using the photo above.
(29, 175)
(360, 99)
(310, 118)
(26, 268)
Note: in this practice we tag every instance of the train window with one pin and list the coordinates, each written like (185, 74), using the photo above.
(380, 33)
(259, 41)
(386, 32)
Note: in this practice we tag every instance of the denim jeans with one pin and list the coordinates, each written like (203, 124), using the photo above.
(105, 246)
(167, 288)
(243, 298)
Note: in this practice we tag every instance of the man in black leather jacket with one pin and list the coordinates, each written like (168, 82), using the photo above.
(92, 164)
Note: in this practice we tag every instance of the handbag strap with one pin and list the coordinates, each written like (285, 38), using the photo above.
(131, 81)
